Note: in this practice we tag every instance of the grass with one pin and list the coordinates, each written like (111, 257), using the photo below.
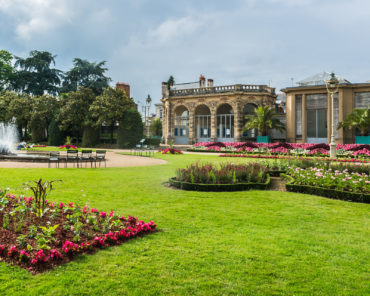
(242, 243)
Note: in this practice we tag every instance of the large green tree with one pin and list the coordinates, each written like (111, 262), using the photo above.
(6, 69)
(359, 118)
(43, 109)
(264, 119)
(86, 74)
(74, 114)
(130, 129)
(156, 127)
(35, 75)
(108, 108)
(20, 107)
(5, 99)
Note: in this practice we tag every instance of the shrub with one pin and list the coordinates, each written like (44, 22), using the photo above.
(224, 173)
(55, 135)
(90, 136)
(130, 130)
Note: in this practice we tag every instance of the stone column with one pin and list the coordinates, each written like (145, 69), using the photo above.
(191, 126)
(213, 124)
(304, 119)
(290, 118)
(169, 124)
(329, 118)
(237, 123)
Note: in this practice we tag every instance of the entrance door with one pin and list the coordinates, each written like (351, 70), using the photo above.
(317, 126)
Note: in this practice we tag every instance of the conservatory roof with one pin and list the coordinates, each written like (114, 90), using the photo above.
(320, 79)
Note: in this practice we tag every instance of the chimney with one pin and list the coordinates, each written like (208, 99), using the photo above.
(202, 81)
(210, 82)
(165, 90)
(125, 87)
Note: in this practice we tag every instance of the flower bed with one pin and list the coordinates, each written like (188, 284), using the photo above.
(322, 149)
(39, 235)
(349, 160)
(68, 147)
(292, 186)
(222, 177)
(171, 151)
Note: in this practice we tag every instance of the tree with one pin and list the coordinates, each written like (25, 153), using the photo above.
(43, 109)
(20, 108)
(156, 127)
(130, 129)
(55, 135)
(5, 99)
(74, 114)
(264, 118)
(359, 118)
(108, 108)
(86, 74)
(170, 82)
(35, 76)
(6, 69)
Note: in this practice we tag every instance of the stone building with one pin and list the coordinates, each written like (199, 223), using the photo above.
(309, 106)
(199, 112)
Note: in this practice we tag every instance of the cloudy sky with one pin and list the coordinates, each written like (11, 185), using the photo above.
(234, 41)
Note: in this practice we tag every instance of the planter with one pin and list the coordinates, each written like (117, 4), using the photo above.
(325, 192)
(263, 139)
(219, 187)
(362, 139)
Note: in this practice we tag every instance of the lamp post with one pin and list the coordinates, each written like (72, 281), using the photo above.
(332, 85)
(148, 102)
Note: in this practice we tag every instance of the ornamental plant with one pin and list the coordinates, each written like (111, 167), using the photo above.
(223, 173)
(171, 151)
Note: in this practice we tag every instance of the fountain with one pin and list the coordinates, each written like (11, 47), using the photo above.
(8, 137)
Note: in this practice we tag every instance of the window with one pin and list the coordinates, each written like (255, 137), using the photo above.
(362, 100)
(298, 116)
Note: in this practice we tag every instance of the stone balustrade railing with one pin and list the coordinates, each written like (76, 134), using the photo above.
(222, 89)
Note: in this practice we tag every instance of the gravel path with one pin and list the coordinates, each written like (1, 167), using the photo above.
(113, 160)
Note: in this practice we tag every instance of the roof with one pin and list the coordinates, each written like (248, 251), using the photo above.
(320, 79)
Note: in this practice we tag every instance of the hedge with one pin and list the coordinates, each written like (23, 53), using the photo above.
(220, 187)
(325, 192)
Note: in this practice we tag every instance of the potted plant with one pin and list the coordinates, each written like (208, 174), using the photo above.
(264, 119)
(359, 118)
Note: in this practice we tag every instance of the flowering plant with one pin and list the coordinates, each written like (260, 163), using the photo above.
(68, 147)
(171, 151)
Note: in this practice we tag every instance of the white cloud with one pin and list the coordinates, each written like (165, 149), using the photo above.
(36, 16)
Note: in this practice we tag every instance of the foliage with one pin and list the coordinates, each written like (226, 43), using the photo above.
(332, 179)
(171, 151)
(34, 74)
(40, 190)
(5, 99)
(156, 127)
(86, 74)
(42, 112)
(109, 107)
(224, 173)
(55, 135)
(6, 69)
(130, 129)
(170, 82)
(20, 108)
(264, 118)
(74, 114)
(90, 136)
(359, 118)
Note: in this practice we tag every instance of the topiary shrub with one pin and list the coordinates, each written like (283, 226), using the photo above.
(90, 136)
(130, 130)
(55, 135)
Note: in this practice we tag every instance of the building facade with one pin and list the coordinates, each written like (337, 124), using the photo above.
(309, 109)
(196, 112)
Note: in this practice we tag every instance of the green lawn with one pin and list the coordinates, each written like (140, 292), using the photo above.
(242, 243)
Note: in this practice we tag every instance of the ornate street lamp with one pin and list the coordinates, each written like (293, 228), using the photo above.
(332, 85)
(147, 107)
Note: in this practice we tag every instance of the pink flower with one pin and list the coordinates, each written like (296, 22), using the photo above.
(94, 210)
(61, 205)
(12, 251)
(111, 214)
(85, 210)
(103, 214)
(70, 204)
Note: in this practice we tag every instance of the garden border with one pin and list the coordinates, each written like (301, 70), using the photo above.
(325, 192)
(219, 187)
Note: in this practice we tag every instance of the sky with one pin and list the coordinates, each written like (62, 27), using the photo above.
(274, 42)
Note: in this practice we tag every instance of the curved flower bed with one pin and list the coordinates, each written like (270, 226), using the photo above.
(40, 238)
(322, 149)
(222, 177)
(348, 160)
(171, 151)
(292, 186)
